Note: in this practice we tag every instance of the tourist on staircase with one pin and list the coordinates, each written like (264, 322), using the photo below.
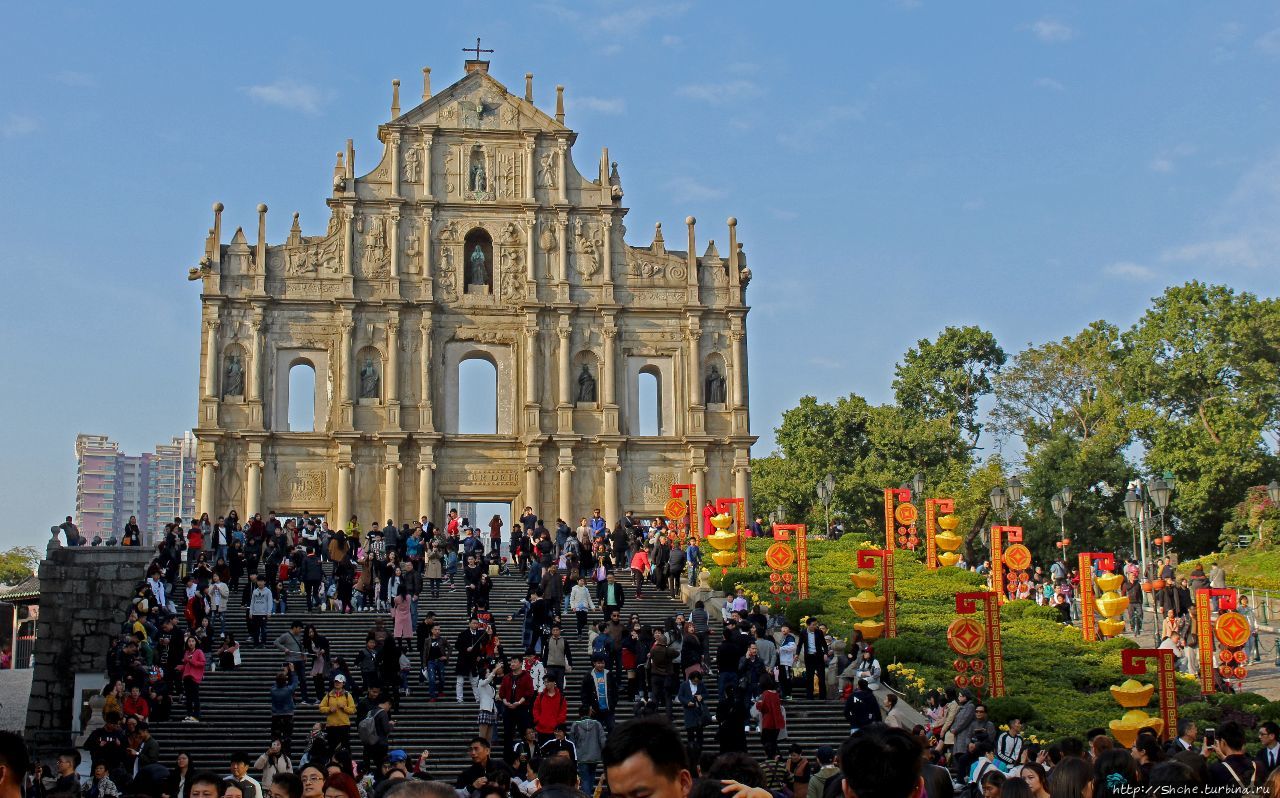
(338, 706)
(192, 670)
(599, 690)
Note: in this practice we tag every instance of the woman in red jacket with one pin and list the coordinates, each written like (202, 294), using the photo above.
(772, 719)
(192, 670)
(549, 711)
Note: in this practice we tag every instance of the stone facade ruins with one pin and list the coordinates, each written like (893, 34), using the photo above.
(474, 236)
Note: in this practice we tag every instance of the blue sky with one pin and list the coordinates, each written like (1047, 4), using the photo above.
(895, 167)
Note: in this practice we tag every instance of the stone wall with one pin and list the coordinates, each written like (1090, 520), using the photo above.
(84, 597)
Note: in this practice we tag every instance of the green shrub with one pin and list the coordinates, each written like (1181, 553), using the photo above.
(1002, 710)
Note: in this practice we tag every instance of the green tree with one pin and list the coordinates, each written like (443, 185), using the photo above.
(17, 564)
(1064, 400)
(1202, 370)
(945, 379)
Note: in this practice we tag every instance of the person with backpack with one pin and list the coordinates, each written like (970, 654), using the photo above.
(675, 567)
(338, 706)
(374, 731)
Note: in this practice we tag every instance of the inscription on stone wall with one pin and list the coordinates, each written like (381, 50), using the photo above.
(479, 477)
(654, 488)
(303, 485)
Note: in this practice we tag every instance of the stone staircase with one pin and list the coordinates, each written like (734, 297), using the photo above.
(236, 704)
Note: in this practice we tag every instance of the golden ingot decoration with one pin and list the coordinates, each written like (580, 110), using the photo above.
(948, 558)
(865, 580)
(722, 522)
(871, 630)
(1126, 729)
(1110, 627)
(947, 541)
(723, 540)
(867, 604)
(725, 558)
(1132, 694)
(1109, 582)
(948, 523)
(1111, 604)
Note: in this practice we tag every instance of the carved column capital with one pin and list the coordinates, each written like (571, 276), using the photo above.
(567, 468)
(564, 332)
(609, 332)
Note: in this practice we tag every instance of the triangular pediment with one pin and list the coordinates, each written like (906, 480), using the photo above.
(479, 102)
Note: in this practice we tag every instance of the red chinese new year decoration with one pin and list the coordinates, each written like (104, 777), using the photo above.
(892, 498)
(782, 532)
(967, 604)
(1133, 662)
(1088, 611)
(867, 559)
(1208, 636)
(692, 528)
(999, 536)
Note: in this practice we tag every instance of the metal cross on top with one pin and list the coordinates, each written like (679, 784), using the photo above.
(476, 49)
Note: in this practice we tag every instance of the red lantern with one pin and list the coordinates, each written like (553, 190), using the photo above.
(1167, 539)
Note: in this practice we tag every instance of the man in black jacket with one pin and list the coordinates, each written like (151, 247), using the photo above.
(1235, 769)
(861, 709)
(813, 643)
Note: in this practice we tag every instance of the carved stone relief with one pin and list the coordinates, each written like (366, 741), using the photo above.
(302, 485)
(588, 249)
(375, 254)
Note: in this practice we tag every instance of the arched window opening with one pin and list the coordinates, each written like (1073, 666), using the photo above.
(649, 402)
(302, 397)
(477, 397)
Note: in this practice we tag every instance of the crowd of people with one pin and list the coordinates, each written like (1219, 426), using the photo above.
(554, 693)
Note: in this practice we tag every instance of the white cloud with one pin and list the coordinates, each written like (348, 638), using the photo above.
(600, 105)
(687, 189)
(807, 135)
(610, 49)
(785, 215)
(1243, 232)
(821, 362)
(1128, 270)
(628, 20)
(288, 94)
(70, 77)
(1269, 42)
(720, 93)
(1052, 30)
(1048, 83)
(671, 41)
(1166, 160)
(14, 125)
(974, 204)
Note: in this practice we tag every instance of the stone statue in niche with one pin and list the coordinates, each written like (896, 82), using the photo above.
(586, 385)
(477, 268)
(446, 273)
(547, 170)
(715, 387)
(412, 171)
(368, 380)
(233, 377)
(477, 180)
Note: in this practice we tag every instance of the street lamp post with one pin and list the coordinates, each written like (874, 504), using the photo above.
(1060, 501)
(1273, 493)
(917, 485)
(826, 492)
(1133, 509)
(1160, 492)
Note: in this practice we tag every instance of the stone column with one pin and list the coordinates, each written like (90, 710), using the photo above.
(393, 358)
(255, 359)
(344, 493)
(531, 250)
(426, 488)
(562, 183)
(694, 336)
(252, 489)
(426, 173)
(698, 476)
(612, 513)
(531, 475)
(565, 333)
(529, 170)
(563, 238)
(394, 243)
(606, 228)
(566, 493)
(347, 215)
(531, 362)
(209, 488)
(344, 368)
(391, 492)
(424, 364)
(739, 367)
(211, 371)
(393, 143)
(607, 378)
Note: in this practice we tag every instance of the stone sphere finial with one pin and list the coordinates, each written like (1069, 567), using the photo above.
(218, 207)
(262, 207)
(690, 220)
(733, 221)
(395, 81)
(295, 216)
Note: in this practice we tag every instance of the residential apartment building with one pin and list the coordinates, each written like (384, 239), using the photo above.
(155, 487)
